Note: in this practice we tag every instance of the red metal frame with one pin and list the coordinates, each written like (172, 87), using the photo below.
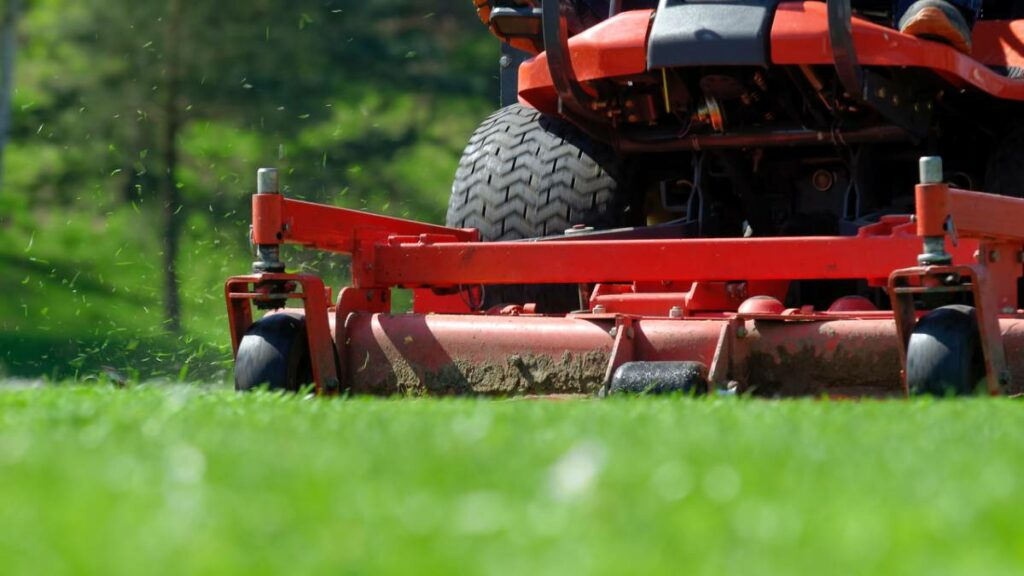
(712, 301)
(413, 262)
(617, 48)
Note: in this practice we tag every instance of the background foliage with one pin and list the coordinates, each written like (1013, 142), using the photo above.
(135, 120)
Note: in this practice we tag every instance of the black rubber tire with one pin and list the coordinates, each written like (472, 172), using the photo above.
(526, 175)
(944, 357)
(274, 354)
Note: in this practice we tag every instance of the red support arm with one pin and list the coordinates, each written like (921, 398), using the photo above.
(280, 220)
(974, 214)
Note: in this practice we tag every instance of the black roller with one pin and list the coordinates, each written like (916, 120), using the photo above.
(660, 378)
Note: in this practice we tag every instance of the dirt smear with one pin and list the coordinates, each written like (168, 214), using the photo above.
(517, 375)
(808, 372)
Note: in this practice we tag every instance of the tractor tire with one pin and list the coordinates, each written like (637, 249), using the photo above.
(526, 175)
(274, 354)
(944, 357)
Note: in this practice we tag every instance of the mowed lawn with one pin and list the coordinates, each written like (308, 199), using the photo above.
(184, 481)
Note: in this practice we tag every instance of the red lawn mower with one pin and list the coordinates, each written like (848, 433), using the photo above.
(737, 196)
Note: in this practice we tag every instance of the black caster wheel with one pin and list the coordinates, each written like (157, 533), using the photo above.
(274, 354)
(944, 357)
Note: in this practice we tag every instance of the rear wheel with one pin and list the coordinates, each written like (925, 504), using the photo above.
(526, 175)
(274, 353)
(944, 357)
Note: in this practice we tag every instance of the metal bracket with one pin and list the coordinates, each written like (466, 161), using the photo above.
(556, 46)
(509, 64)
(240, 293)
(907, 283)
(623, 349)
(574, 102)
(844, 55)
(892, 100)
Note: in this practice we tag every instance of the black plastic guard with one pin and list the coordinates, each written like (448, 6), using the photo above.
(711, 33)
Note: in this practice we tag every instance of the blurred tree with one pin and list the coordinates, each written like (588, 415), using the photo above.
(174, 38)
(8, 49)
(167, 106)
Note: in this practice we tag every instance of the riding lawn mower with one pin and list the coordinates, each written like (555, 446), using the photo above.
(759, 197)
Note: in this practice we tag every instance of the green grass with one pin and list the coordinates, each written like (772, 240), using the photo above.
(184, 481)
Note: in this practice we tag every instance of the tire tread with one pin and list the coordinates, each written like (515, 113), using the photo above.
(526, 175)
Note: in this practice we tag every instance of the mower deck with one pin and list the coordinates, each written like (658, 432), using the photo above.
(715, 304)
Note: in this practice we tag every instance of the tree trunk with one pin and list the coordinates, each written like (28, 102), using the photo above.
(8, 47)
(169, 183)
